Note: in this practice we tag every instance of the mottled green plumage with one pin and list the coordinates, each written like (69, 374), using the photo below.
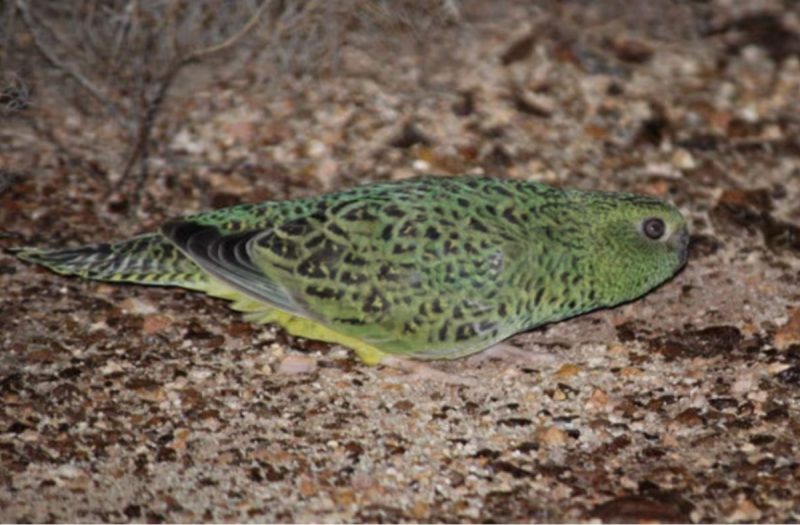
(430, 268)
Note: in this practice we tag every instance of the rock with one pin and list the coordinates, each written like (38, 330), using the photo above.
(744, 384)
(668, 508)
(154, 324)
(297, 364)
(683, 160)
(137, 306)
(536, 104)
(706, 342)
(789, 333)
(567, 370)
(744, 511)
(598, 400)
(552, 436)
(632, 51)
(518, 50)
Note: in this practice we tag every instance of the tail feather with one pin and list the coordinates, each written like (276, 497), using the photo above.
(147, 259)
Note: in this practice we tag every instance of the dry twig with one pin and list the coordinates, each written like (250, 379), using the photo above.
(136, 113)
(94, 90)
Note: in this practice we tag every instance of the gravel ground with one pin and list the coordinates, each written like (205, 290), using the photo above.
(127, 403)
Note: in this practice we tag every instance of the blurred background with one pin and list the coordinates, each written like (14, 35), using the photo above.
(212, 102)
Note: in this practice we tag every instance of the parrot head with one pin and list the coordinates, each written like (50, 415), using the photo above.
(638, 243)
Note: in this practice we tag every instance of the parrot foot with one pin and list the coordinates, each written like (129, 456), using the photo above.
(514, 354)
(419, 371)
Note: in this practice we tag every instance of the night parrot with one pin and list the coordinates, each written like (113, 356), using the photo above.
(430, 268)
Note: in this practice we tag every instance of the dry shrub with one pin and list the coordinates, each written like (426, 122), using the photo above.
(117, 60)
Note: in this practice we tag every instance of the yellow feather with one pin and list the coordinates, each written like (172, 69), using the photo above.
(258, 312)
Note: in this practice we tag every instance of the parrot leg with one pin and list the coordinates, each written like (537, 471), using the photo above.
(509, 352)
(419, 371)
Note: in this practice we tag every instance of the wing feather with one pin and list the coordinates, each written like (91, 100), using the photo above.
(227, 257)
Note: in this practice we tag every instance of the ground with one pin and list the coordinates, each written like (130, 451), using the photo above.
(128, 403)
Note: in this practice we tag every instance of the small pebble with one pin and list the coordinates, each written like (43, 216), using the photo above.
(683, 160)
(788, 334)
(567, 370)
(745, 511)
(138, 306)
(297, 364)
(551, 436)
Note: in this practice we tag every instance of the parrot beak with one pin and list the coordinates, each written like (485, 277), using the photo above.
(681, 243)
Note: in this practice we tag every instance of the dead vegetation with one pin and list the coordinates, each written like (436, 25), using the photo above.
(115, 62)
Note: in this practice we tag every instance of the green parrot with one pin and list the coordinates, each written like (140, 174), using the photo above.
(430, 268)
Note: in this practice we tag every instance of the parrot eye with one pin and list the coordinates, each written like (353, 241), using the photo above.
(654, 228)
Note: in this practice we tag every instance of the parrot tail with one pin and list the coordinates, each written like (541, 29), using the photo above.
(146, 259)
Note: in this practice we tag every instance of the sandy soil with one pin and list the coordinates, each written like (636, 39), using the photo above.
(127, 403)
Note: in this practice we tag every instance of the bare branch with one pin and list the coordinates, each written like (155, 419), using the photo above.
(8, 43)
(55, 61)
(230, 41)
